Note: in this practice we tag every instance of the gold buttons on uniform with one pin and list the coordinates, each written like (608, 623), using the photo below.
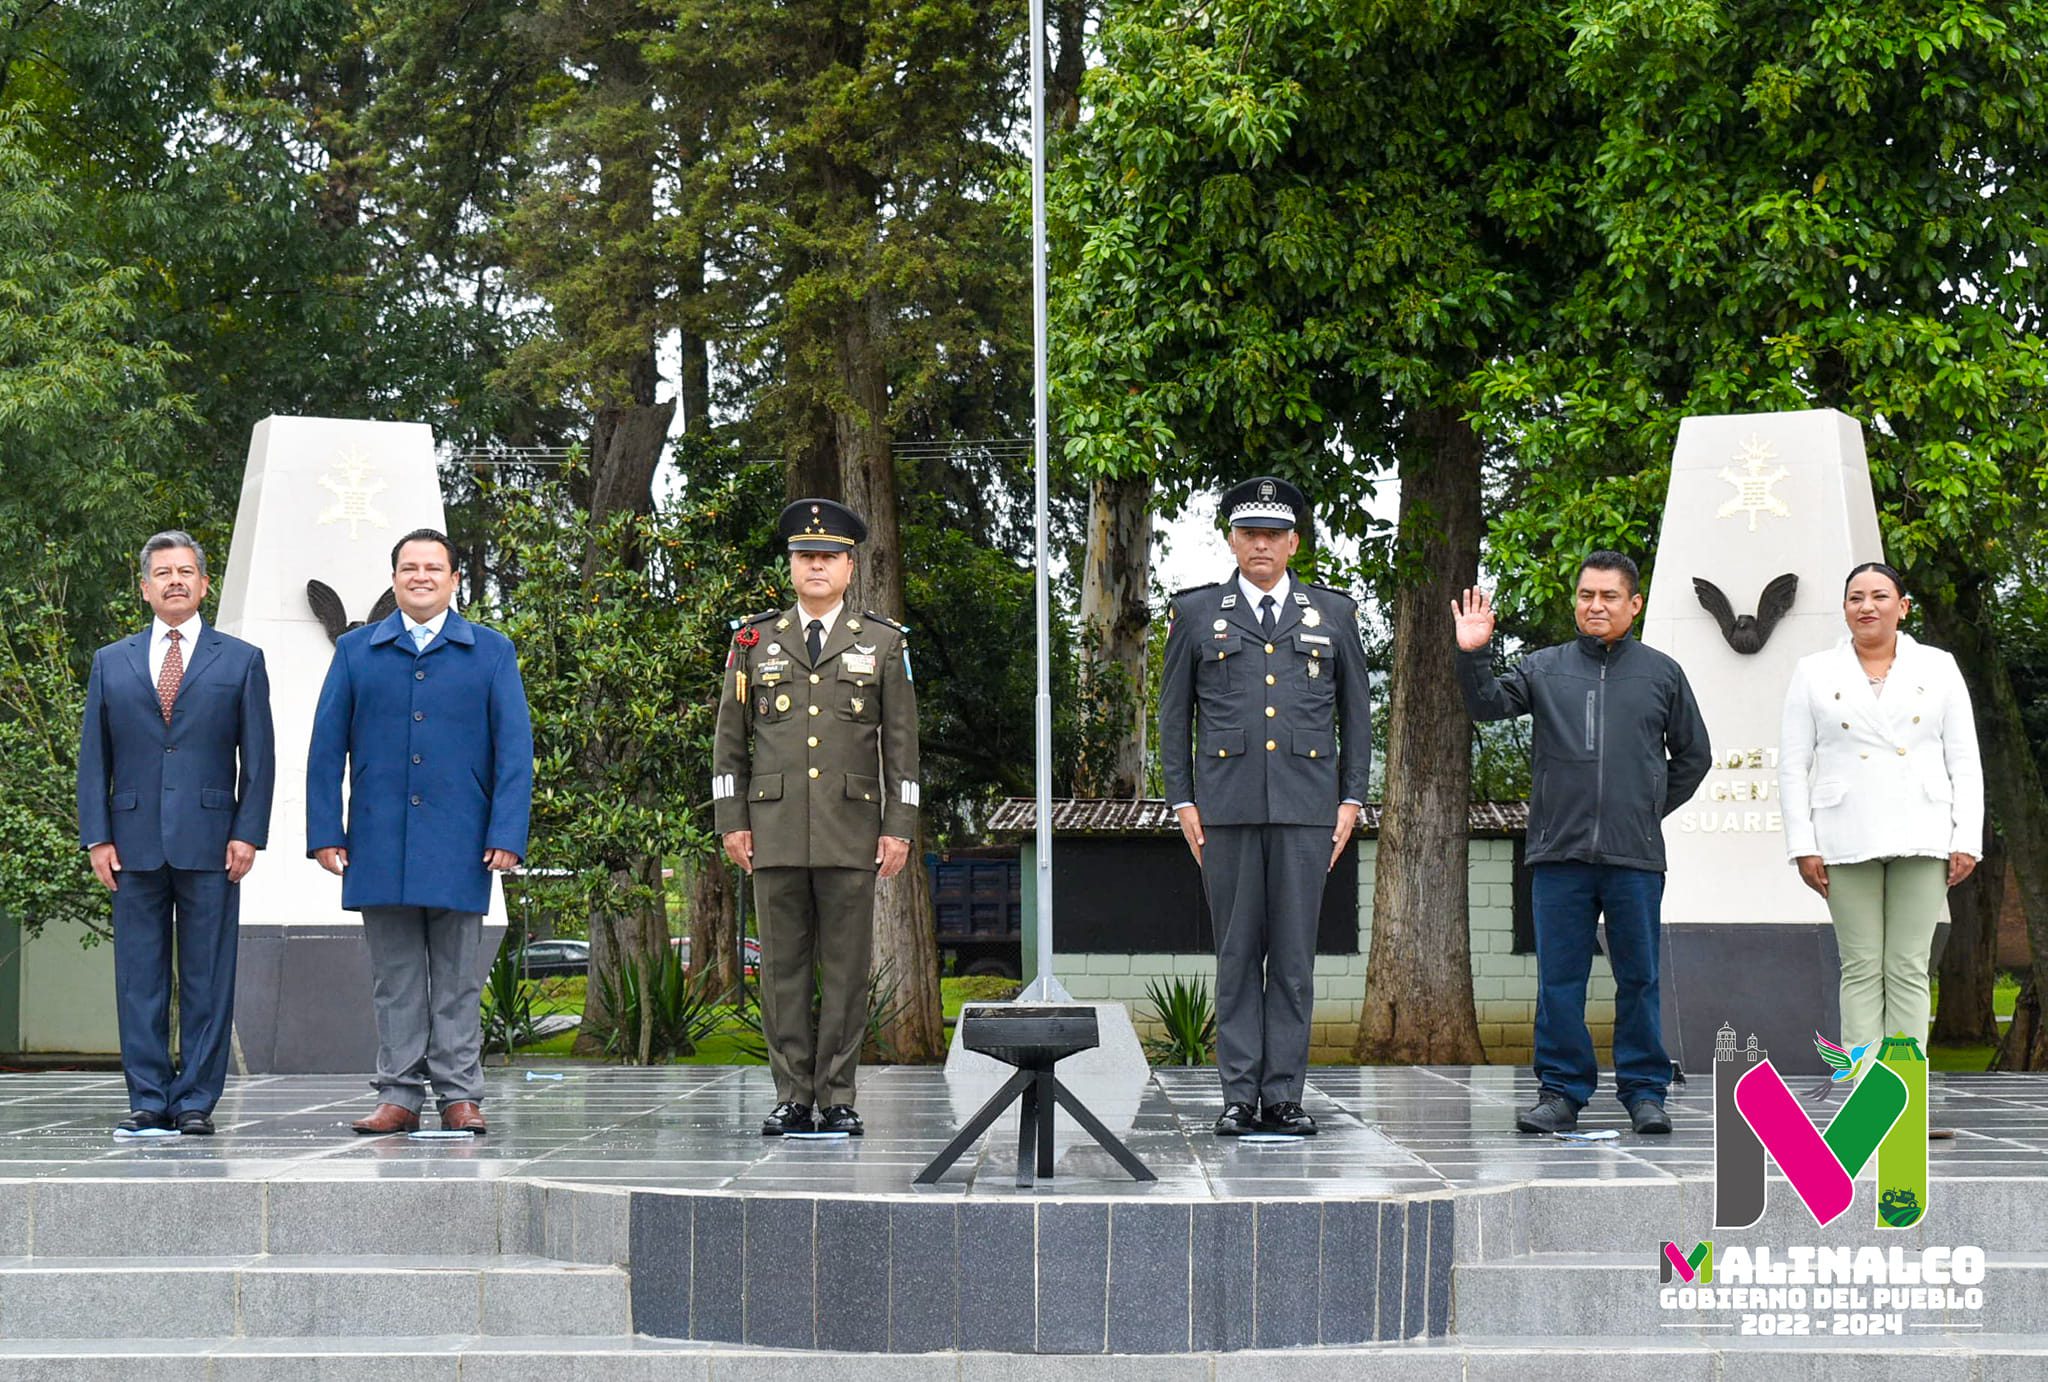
(814, 678)
(814, 710)
(1271, 711)
(1270, 746)
(1223, 753)
(1269, 647)
(1311, 753)
(1864, 754)
(813, 772)
(1845, 724)
(1916, 719)
(1902, 753)
(813, 741)
(1269, 678)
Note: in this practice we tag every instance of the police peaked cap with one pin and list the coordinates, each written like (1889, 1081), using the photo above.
(1263, 502)
(821, 525)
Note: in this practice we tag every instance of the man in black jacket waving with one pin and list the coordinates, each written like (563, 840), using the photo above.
(1618, 745)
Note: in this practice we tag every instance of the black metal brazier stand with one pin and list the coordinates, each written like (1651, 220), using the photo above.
(1033, 1039)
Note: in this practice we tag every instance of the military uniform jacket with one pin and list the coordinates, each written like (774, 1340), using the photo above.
(833, 757)
(1260, 729)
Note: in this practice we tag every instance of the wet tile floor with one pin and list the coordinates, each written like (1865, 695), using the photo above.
(1385, 1132)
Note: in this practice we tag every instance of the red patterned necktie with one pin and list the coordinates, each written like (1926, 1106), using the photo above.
(173, 673)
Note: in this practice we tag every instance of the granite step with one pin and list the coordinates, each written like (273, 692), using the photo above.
(284, 1296)
(1997, 1214)
(1596, 1294)
(624, 1358)
(111, 1216)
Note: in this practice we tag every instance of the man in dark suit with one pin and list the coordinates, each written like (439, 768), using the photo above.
(427, 714)
(175, 768)
(1265, 742)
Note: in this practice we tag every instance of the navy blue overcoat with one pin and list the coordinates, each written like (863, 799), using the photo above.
(439, 750)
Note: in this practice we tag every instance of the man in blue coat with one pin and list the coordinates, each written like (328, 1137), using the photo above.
(429, 714)
(175, 768)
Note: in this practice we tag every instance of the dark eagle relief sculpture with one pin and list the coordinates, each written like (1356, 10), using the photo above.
(333, 618)
(1748, 633)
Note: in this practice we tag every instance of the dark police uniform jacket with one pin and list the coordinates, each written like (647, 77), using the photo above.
(1258, 729)
(833, 763)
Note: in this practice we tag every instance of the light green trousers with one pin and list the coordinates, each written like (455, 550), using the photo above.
(1885, 912)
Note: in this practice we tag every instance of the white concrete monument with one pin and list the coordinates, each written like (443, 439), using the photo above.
(323, 500)
(1766, 514)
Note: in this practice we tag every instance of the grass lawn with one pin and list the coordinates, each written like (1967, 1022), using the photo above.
(726, 1045)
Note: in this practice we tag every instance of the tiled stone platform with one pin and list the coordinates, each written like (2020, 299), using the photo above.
(1419, 1236)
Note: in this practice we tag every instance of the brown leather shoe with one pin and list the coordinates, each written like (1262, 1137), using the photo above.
(388, 1118)
(463, 1117)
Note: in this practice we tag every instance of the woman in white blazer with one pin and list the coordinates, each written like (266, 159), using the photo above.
(1883, 800)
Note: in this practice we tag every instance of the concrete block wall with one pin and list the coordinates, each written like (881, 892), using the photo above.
(1503, 983)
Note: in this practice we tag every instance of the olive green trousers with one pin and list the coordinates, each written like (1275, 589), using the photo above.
(817, 934)
(1885, 912)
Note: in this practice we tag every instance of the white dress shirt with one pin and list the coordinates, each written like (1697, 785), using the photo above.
(828, 619)
(188, 633)
(1252, 594)
(432, 626)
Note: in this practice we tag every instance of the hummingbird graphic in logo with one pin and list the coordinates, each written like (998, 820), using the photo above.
(1847, 1064)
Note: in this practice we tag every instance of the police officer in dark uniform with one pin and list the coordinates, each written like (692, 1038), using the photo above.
(1265, 740)
(822, 804)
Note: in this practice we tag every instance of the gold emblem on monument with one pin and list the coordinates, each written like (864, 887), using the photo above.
(353, 484)
(1753, 483)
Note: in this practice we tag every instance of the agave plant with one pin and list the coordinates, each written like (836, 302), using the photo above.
(508, 1017)
(1186, 1017)
(657, 1009)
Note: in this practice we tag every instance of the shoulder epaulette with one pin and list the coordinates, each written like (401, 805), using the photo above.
(1206, 585)
(1332, 590)
(753, 619)
(885, 620)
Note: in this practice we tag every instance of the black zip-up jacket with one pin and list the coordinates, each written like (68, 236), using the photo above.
(1619, 744)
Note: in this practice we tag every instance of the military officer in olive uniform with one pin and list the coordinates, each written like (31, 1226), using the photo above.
(1265, 740)
(823, 804)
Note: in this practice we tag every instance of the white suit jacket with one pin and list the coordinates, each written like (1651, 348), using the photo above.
(1864, 776)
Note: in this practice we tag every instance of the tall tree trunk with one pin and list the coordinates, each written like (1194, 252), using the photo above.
(1115, 622)
(1418, 993)
(629, 431)
(714, 924)
(1969, 963)
(2012, 789)
(906, 949)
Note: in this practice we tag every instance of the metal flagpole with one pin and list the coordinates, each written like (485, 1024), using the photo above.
(1044, 987)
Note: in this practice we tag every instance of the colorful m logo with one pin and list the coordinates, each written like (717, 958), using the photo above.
(1756, 1113)
(1694, 1270)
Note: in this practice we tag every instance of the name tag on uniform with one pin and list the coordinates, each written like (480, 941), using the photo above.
(861, 663)
(769, 673)
(1321, 638)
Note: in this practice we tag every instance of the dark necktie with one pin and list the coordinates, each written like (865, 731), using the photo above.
(172, 674)
(814, 638)
(1266, 614)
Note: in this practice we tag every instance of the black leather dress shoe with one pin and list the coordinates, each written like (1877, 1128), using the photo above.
(1648, 1115)
(787, 1117)
(1291, 1119)
(840, 1118)
(143, 1120)
(1552, 1113)
(194, 1123)
(1237, 1120)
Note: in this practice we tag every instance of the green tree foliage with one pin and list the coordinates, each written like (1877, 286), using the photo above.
(621, 628)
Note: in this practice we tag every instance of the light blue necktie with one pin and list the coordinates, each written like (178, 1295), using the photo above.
(421, 636)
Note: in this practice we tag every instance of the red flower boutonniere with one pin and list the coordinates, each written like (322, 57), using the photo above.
(747, 637)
